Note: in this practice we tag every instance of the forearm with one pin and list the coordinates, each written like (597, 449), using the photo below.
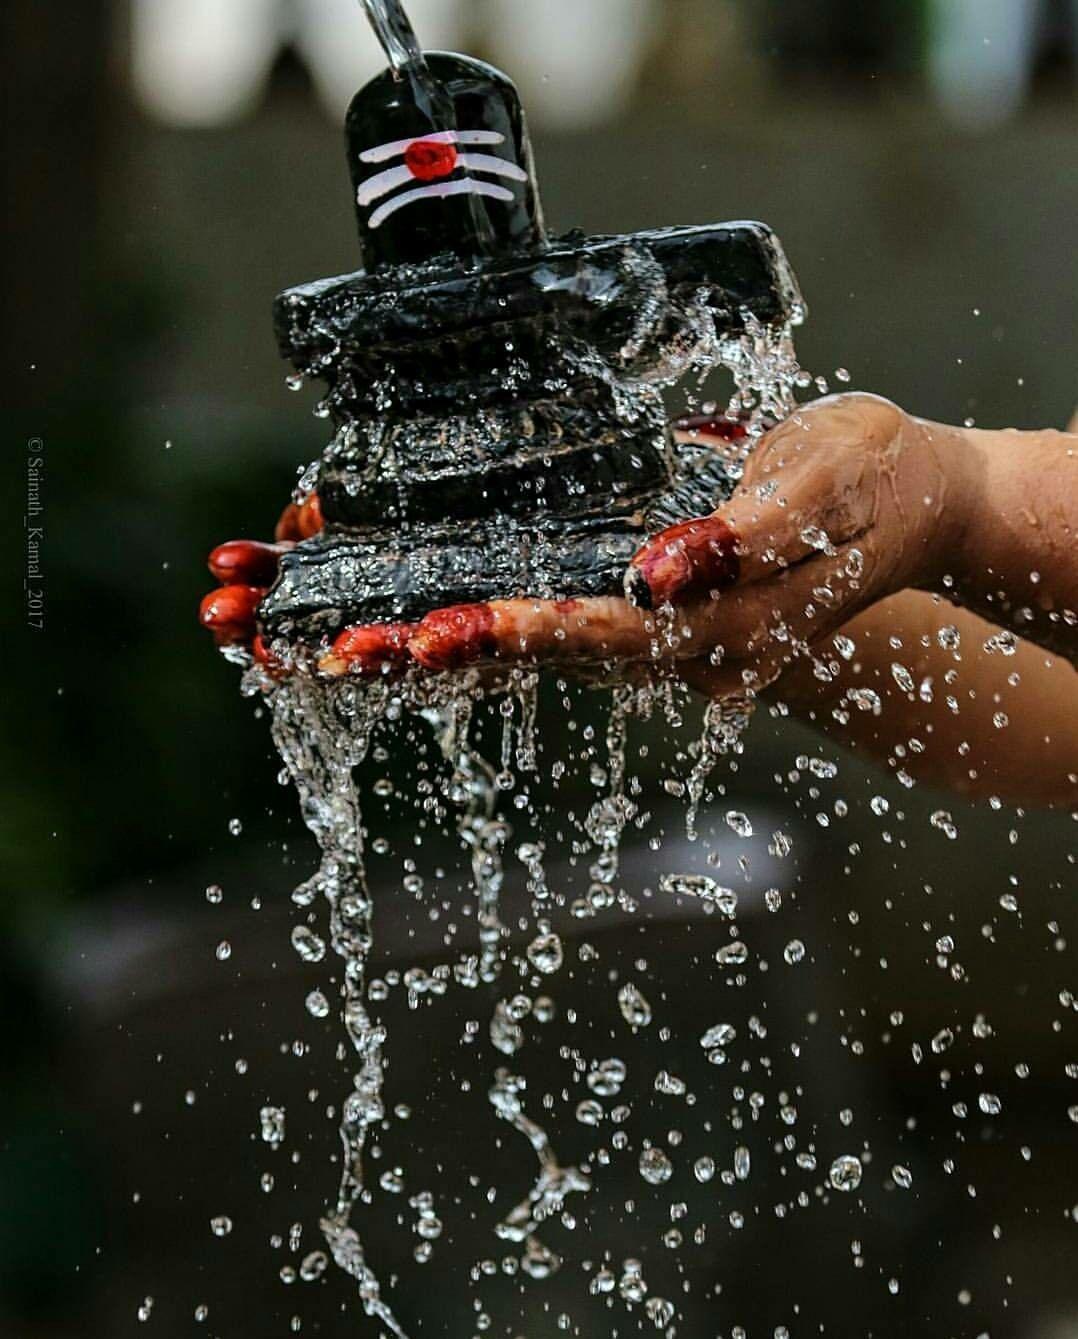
(1017, 563)
(981, 724)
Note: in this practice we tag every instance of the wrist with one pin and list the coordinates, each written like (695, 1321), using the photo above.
(1014, 562)
(946, 493)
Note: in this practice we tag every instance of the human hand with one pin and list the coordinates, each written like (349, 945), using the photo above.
(846, 502)
(246, 568)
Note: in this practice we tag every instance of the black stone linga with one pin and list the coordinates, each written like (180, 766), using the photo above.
(480, 452)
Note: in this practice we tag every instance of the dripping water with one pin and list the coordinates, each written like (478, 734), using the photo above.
(324, 730)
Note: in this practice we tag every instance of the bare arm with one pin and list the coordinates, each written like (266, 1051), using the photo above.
(855, 526)
(1018, 562)
(980, 723)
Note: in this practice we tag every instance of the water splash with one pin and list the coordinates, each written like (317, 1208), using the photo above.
(324, 731)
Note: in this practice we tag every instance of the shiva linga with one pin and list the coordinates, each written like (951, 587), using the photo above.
(493, 389)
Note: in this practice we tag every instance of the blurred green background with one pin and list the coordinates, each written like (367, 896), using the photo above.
(920, 163)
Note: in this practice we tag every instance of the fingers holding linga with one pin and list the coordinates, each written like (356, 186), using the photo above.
(757, 627)
(499, 631)
(300, 520)
(230, 612)
(246, 568)
(787, 559)
(812, 485)
(775, 568)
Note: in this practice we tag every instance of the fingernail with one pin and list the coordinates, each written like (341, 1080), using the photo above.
(712, 425)
(245, 562)
(265, 657)
(231, 612)
(695, 555)
(368, 649)
(300, 520)
(309, 518)
(288, 525)
(449, 638)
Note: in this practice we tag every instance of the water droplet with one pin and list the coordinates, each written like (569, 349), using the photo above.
(739, 823)
(704, 1169)
(655, 1166)
(545, 953)
(223, 951)
(742, 1162)
(317, 1004)
(989, 1104)
(1004, 643)
(631, 1285)
(816, 538)
(221, 1226)
(145, 1309)
(732, 954)
(722, 1034)
(633, 1005)
(313, 1266)
(272, 1121)
(845, 1173)
(214, 893)
(309, 946)
(669, 1084)
(780, 845)
(589, 1112)
(794, 952)
(602, 1282)
(901, 1176)
(659, 1311)
(539, 1262)
(606, 1078)
(391, 1181)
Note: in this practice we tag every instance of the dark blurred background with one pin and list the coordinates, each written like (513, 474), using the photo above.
(171, 165)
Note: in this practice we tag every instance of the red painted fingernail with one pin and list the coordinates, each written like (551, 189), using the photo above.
(309, 517)
(265, 657)
(695, 555)
(367, 649)
(245, 562)
(288, 525)
(718, 425)
(713, 425)
(300, 520)
(229, 613)
(459, 635)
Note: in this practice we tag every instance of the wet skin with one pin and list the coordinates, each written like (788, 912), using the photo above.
(852, 516)
(851, 473)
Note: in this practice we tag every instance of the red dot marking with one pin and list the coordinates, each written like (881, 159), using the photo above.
(429, 159)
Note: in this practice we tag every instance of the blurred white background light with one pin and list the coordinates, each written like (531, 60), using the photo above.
(206, 62)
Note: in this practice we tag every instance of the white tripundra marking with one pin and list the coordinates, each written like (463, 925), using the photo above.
(392, 178)
(384, 182)
(394, 148)
(466, 186)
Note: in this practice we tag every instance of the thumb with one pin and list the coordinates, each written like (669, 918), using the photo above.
(810, 486)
